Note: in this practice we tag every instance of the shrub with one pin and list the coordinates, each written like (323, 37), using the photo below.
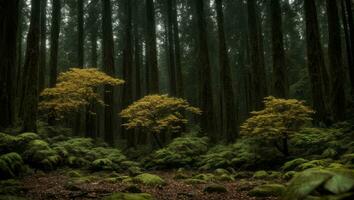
(156, 114)
(183, 151)
(11, 165)
(279, 120)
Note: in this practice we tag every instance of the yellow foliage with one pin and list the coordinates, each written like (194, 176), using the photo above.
(281, 117)
(75, 88)
(156, 113)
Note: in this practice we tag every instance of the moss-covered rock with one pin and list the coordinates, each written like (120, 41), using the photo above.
(215, 188)
(221, 171)
(312, 164)
(293, 164)
(129, 196)
(275, 175)
(243, 174)
(149, 179)
(134, 171)
(267, 190)
(260, 175)
(205, 177)
(102, 164)
(225, 177)
(289, 175)
(74, 174)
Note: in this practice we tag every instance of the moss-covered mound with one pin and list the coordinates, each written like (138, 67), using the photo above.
(149, 180)
(129, 196)
(11, 165)
(183, 151)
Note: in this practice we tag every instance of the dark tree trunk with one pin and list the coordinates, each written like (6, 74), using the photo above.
(108, 68)
(43, 47)
(30, 97)
(128, 69)
(228, 97)
(80, 28)
(171, 50)
(151, 48)
(335, 62)
(256, 55)
(280, 84)
(177, 46)
(205, 89)
(316, 63)
(54, 42)
(348, 4)
(8, 43)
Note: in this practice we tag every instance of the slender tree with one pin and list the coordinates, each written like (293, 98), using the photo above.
(335, 62)
(171, 50)
(256, 55)
(30, 95)
(349, 9)
(228, 97)
(54, 42)
(43, 46)
(80, 28)
(280, 86)
(108, 68)
(205, 86)
(151, 49)
(8, 51)
(315, 58)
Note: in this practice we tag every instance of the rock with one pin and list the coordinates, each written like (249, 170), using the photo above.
(215, 188)
(268, 190)
(132, 189)
(225, 177)
(275, 175)
(129, 196)
(193, 181)
(204, 177)
(312, 164)
(73, 174)
(149, 179)
(242, 175)
(260, 175)
(293, 164)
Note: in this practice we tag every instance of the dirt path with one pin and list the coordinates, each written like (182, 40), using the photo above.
(56, 185)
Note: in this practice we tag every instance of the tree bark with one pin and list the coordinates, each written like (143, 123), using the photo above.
(280, 85)
(205, 90)
(227, 97)
(316, 63)
(256, 55)
(8, 51)
(108, 68)
(348, 4)
(335, 62)
(54, 42)
(43, 47)
(171, 50)
(30, 97)
(151, 48)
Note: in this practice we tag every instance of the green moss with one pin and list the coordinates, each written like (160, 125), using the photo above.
(312, 164)
(205, 177)
(221, 171)
(129, 196)
(267, 190)
(329, 153)
(102, 164)
(293, 164)
(149, 179)
(225, 177)
(10, 187)
(215, 188)
(7, 143)
(134, 171)
(289, 175)
(74, 173)
(25, 138)
(260, 175)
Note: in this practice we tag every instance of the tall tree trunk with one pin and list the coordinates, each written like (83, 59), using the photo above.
(171, 50)
(80, 28)
(151, 48)
(316, 63)
(256, 55)
(137, 52)
(54, 42)
(348, 4)
(335, 62)
(177, 46)
(348, 44)
(92, 110)
(30, 97)
(8, 42)
(205, 89)
(280, 85)
(108, 68)
(228, 97)
(128, 69)
(43, 46)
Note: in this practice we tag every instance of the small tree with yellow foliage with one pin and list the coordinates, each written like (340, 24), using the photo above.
(156, 114)
(75, 89)
(280, 119)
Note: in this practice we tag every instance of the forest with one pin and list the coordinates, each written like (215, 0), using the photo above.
(177, 99)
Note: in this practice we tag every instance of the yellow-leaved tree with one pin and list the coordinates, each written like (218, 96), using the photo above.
(280, 119)
(75, 88)
(155, 114)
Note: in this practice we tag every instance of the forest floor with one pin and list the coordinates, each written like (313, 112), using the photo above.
(58, 185)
